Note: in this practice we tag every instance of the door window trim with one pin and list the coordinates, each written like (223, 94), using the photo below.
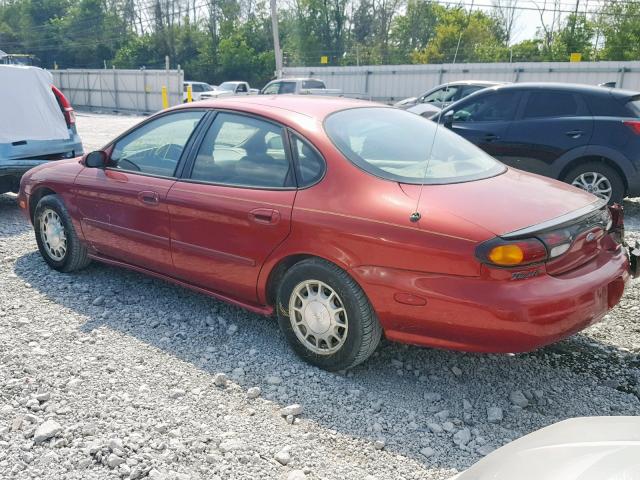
(183, 155)
(186, 172)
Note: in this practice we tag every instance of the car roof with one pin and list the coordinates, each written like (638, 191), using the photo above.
(571, 87)
(474, 82)
(283, 106)
(296, 79)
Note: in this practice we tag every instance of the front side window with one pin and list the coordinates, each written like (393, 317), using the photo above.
(271, 89)
(242, 88)
(243, 151)
(287, 87)
(495, 107)
(197, 87)
(441, 95)
(551, 104)
(156, 147)
(401, 146)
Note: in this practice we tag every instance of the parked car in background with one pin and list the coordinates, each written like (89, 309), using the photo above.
(306, 209)
(197, 89)
(229, 89)
(37, 123)
(432, 101)
(584, 135)
(585, 448)
(299, 86)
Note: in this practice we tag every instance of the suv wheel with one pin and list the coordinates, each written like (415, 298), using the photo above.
(598, 178)
(325, 316)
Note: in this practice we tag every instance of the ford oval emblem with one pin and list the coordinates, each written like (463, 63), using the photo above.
(591, 236)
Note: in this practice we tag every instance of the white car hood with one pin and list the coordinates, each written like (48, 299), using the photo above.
(28, 108)
(588, 448)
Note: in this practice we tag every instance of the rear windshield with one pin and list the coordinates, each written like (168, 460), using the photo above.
(312, 84)
(634, 105)
(400, 146)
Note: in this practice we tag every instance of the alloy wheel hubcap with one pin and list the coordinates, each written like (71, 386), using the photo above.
(594, 182)
(53, 235)
(318, 317)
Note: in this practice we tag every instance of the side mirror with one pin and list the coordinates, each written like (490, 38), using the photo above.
(447, 119)
(96, 159)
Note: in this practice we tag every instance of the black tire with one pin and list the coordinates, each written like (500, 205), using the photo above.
(611, 174)
(364, 331)
(75, 256)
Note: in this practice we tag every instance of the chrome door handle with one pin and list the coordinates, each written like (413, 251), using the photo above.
(148, 197)
(574, 133)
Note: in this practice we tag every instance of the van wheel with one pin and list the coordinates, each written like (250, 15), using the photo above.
(325, 316)
(57, 240)
(598, 178)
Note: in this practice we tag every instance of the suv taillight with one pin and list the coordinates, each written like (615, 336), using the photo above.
(65, 106)
(634, 125)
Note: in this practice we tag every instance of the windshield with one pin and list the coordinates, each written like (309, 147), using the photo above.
(227, 86)
(394, 144)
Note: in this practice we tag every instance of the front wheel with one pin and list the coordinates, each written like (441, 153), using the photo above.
(325, 316)
(57, 240)
(598, 178)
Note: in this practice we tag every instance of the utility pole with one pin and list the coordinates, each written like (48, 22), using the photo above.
(276, 38)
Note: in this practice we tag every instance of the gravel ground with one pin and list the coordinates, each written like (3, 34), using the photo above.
(108, 374)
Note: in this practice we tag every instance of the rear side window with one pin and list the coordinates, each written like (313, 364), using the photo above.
(310, 163)
(243, 151)
(551, 104)
(313, 84)
(606, 106)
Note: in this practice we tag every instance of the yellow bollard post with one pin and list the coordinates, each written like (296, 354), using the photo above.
(189, 94)
(165, 98)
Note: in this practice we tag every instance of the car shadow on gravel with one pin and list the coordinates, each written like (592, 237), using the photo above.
(12, 221)
(416, 399)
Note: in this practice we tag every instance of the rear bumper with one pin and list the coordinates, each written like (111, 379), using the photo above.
(480, 315)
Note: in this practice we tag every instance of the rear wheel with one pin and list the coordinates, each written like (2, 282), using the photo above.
(57, 240)
(598, 178)
(325, 316)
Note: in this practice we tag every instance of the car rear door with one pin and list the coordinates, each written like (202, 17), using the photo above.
(232, 207)
(123, 207)
(484, 119)
(550, 124)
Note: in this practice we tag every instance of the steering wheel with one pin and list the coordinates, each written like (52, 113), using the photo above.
(169, 151)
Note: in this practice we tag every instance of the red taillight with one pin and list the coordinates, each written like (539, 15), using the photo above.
(65, 106)
(512, 253)
(634, 125)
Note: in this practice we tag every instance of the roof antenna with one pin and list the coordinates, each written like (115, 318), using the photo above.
(416, 216)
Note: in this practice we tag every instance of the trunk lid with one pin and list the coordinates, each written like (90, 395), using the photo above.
(518, 205)
(505, 203)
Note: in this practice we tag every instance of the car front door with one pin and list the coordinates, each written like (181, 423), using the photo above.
(550, 124)
(484, 119)
(233, 206)
(123, 207)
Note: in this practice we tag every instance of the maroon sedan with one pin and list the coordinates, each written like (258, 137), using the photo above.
(347, 219)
